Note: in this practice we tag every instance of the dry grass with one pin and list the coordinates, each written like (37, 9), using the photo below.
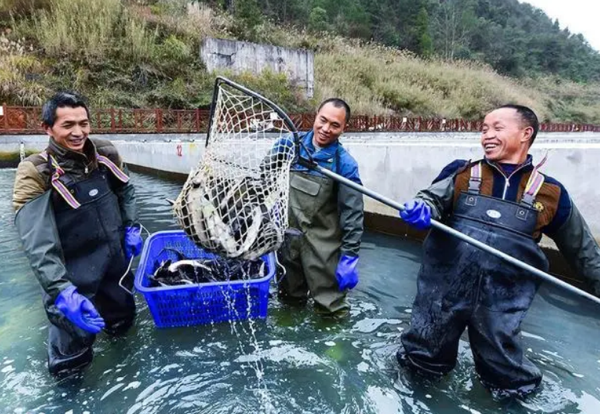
(379, 80)
(90, 30)
(17, 85)
(192, 21)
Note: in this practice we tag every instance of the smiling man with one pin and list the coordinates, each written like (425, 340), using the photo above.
(505, 202)
(76, 217)
(324, 260)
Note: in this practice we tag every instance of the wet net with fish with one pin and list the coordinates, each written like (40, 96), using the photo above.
(234, 203)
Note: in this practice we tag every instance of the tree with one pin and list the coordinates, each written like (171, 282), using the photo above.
(453, 24)
(422, 32)
(317, 21)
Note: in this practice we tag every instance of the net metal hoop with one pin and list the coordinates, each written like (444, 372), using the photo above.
(235, 202)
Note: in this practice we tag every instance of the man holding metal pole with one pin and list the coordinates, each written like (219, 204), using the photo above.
(505, 202)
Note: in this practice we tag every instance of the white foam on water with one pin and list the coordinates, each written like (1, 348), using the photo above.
(472, 411)
(384, 401)
(111, 390)
(8, 361)
(133, 385)
(363, 367)
(186, 354)
(287, 353)
(7, 369)
(530, 335)
(361, 307)
(168, 368)
(218, 345)
(330, 343)
(554, 354)
(369, 325)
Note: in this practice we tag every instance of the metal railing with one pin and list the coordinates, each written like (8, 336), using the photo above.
(27, 120)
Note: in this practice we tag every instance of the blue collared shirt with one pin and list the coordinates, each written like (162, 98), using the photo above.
(333, 157)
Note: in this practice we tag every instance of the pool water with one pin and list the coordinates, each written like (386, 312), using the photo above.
(292, 362)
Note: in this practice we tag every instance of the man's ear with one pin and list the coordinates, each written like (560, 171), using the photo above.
(47, 129)
(527, 134)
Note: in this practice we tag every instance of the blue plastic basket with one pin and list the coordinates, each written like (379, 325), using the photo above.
(202, 303)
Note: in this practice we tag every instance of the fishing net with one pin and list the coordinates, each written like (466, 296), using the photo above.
(235, 202)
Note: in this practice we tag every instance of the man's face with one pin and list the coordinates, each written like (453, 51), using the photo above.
(71, 128)
(504, 136)
(329, 124)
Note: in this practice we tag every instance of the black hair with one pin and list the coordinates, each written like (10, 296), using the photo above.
(61, 100)
(338, 103)
(528, 117)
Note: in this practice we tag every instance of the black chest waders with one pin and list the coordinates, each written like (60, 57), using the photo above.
(461, 286)
(89, 224)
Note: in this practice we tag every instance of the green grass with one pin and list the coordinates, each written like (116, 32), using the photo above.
(127, 54)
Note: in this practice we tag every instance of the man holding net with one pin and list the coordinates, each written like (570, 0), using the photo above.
(324, 260)
(257, 171)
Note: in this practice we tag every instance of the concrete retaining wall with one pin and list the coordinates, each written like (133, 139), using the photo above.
(296, 64)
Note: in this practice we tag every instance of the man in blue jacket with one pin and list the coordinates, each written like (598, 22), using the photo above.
(323, 262)
(504, 201)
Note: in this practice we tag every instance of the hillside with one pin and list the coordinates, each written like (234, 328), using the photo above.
(145, 54)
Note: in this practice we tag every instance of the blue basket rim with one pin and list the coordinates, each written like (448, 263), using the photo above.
(139, 274)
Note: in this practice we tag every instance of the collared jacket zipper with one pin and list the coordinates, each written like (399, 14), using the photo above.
(507, 179)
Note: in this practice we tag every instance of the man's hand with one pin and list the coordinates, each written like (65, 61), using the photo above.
(417, 213)
(79, 310)
(133, 242)
(347, 272)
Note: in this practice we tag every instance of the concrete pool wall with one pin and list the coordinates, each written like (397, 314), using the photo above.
(396, 165)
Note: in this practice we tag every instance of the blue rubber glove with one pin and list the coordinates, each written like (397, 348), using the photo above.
(417, 213)
(347, 272)
(133, 242)
(79, 310)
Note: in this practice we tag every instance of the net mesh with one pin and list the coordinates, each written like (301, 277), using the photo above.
(235, 202)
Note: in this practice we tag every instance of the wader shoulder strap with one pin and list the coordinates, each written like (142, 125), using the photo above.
(475, 179)
(56, 173)
(116, 171)
(534, 185)
(336, 168)
(63, 191)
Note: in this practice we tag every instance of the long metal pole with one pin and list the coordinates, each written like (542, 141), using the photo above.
(440, 226)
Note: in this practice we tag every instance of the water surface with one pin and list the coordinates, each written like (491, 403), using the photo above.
(294, 362)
